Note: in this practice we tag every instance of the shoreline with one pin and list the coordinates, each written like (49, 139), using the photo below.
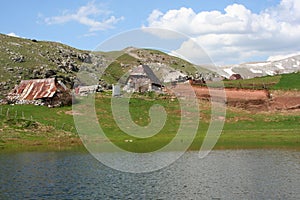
(233, 141)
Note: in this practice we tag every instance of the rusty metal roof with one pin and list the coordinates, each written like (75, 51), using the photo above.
(36, 89)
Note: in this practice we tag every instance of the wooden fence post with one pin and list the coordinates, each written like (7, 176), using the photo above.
(7, 112)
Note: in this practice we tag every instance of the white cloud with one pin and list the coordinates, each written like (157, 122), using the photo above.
(86, 15)
(12, 34)
(195, 53)
(236, 34)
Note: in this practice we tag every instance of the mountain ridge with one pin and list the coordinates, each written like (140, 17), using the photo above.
(270, 67)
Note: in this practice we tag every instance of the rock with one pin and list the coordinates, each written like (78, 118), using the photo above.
(18, 59)
(10, 69)
(86, 58)
(36, 73)
(62, 69)
(73, 67)
(50, 73)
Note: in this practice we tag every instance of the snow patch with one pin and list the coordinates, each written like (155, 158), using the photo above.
(281, 57)
(271, 73)
(279, 66)
(256, 71)
(258, 64)
(228, 71)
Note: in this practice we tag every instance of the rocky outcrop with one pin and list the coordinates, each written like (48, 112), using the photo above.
(23, 59)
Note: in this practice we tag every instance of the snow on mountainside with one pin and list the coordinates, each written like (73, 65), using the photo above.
(271, 67)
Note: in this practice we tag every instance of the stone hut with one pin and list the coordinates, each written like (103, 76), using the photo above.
(142, 79)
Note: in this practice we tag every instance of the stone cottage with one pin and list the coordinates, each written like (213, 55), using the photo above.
(142, 79)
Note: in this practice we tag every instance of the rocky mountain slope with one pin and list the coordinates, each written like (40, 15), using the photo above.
(30, 59)
(22, 59)
(271, 67)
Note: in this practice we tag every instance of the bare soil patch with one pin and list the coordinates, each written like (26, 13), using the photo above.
(247, 99)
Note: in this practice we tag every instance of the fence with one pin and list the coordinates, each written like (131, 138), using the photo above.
(8, 113)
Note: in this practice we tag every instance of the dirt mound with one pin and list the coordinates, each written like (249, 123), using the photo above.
(252, 100)
(285, 103)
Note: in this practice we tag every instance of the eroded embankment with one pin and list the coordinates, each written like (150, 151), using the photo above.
(252, 100)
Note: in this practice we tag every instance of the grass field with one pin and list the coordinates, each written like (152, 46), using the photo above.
(28, 127)
(279, 82)
(288, 82)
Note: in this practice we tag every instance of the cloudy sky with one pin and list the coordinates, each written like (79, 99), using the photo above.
(230, 31)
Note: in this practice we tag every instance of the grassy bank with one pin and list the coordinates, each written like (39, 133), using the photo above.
(278, 82)
(28, 127)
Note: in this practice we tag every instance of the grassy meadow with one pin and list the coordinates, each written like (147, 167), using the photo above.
(29, 127)
(278, 82)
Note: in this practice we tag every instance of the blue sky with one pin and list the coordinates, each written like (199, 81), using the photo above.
(230, 31)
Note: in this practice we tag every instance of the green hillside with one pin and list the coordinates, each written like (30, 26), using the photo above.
(22, 59)
(278, 82)
(288, 82)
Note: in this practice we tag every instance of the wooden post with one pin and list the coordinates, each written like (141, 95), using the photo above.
(7, 112)
(62, 127)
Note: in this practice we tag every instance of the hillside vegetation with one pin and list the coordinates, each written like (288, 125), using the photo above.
(278, 82)
(22, 59)
(288, 82)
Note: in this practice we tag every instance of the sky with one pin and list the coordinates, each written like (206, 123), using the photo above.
(229, 31)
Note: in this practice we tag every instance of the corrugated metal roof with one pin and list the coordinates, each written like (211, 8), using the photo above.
(36, 89)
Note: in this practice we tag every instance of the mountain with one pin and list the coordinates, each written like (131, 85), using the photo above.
(22, 59)
(258, 69)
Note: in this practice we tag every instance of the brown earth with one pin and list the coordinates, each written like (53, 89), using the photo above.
(252, 100)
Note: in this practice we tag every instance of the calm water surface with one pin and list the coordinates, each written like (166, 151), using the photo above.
(230, 174)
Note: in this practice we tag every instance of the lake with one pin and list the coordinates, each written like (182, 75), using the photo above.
(223, 174)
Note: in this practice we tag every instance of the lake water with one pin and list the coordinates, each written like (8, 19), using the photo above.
(228, 174)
